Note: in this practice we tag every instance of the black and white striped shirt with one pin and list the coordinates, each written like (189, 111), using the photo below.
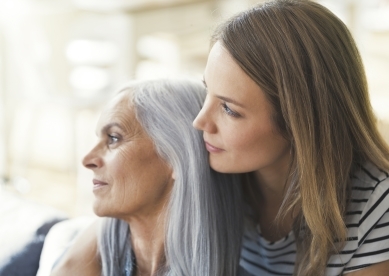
(367, 221)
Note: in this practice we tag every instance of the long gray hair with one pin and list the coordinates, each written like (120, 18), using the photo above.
(204, 219)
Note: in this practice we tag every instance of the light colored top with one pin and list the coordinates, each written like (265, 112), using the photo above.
(367, 221)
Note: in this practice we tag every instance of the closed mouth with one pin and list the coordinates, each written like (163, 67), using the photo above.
(98, 184)
(212, 148)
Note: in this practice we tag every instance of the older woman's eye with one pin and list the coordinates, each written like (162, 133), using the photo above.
(112, 139)
(229, 111)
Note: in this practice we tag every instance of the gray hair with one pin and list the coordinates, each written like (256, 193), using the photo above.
(204, 221)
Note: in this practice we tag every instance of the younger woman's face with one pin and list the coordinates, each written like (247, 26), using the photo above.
(236, 118)
(130, 178)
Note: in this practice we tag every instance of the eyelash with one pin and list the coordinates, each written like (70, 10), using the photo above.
(228, 111)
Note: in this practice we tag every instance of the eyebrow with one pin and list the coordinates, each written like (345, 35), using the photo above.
(226, 99)
(110, 125)
(229, 100)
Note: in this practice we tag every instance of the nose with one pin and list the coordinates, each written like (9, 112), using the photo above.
(199, 121)
(92, 160)
(204, 120)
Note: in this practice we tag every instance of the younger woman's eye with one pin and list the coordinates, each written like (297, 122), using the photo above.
(229, 111)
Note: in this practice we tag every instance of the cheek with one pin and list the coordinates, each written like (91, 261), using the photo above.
(117, 163)
(138, 165)
(264, 140)
(133, 172)
(247, 138)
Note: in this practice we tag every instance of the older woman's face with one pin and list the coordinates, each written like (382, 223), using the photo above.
(130, 179)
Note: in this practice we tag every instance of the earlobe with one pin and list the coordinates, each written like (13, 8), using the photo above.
(173, 175)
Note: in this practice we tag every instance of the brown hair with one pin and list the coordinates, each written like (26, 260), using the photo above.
(306, 62)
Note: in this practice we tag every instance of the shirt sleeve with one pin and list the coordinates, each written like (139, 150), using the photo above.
(373, 230)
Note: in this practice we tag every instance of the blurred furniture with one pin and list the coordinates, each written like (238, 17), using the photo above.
(24, 226)
(58, 240)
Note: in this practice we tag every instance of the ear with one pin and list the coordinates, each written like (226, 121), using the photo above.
(173, 175)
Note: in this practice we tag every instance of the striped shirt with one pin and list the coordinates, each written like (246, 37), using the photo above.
(367, 221)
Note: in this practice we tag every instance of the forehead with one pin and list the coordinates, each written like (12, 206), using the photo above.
(224, 76)
(219, 54)
(119, 110)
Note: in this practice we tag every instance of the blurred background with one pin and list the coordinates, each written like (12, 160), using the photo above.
(60, 60)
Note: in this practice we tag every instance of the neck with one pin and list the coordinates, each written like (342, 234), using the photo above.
(271, 185)
(147, 239)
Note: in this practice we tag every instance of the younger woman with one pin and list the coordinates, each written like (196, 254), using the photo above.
(288, 105)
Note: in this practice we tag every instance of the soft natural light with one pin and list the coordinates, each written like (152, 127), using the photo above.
(92, 52)
(89, 78)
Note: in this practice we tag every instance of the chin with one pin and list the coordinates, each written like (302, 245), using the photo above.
(222, 168)
(99, 210)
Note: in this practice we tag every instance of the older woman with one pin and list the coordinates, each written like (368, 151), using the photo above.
(168, 213)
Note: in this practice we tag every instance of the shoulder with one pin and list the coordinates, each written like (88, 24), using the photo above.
(82, 256)
(368, 177)
(367, 221)
(369, 198)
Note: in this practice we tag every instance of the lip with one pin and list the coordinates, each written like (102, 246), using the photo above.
(212, 148)
(97, 184)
